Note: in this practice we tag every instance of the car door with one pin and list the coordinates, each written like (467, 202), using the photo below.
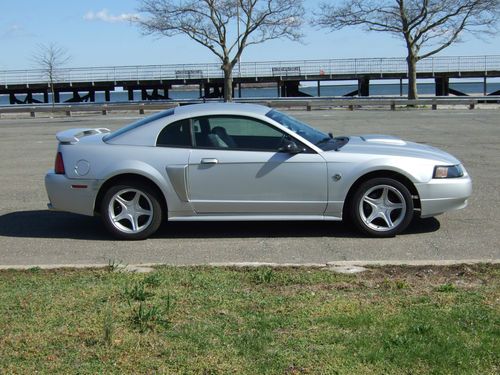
(236, 167)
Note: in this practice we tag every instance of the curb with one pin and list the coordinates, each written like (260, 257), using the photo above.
(346, 263)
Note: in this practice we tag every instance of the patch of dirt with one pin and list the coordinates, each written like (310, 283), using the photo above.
(462, 275)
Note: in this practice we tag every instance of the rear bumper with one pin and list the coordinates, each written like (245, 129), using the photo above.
(71, 195)
(441, 195)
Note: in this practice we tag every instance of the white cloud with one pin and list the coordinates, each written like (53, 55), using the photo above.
(105, 16)
(15, 31)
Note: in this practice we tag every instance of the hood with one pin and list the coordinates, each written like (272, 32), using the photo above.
(387, 145)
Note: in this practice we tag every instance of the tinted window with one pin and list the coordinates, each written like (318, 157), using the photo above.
(177, 134)
(236, 133)
(139, 123)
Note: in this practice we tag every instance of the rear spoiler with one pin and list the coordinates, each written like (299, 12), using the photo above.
(73, 135)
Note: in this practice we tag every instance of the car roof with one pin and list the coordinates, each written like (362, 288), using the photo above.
(221, 108)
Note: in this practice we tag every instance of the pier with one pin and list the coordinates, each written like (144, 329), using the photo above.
(155, 81)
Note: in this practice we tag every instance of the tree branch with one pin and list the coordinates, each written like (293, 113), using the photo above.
(212, 23)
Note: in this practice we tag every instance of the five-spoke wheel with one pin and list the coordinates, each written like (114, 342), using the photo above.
(131, 211)
(382, 207)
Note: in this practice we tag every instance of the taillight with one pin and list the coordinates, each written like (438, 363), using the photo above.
(59, 165)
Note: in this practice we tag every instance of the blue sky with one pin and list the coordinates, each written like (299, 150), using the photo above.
(95, 34)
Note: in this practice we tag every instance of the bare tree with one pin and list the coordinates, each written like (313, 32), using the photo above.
(426, 26)
(51, 57)
(225, 27)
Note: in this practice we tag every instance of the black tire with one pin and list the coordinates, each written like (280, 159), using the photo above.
(141, 206)
(376, 216)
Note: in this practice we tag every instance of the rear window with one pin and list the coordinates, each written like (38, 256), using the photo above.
(139, 123)
(177, 134)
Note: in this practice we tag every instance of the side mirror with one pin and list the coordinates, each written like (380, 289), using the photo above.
(291, 147)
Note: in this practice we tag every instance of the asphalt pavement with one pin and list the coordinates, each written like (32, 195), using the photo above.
(32, 235)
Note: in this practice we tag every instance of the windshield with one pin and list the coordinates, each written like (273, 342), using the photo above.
(324, 141)
(305, 131)
(138, 123)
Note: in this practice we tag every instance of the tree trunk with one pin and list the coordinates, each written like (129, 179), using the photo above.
(51, 82)
(412, 76)
(228, 82)
(52, 91)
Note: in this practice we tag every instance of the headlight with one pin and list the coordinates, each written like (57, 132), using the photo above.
(448, 171)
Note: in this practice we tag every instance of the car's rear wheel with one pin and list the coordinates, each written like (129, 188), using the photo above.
(381, 207)
(131, 211)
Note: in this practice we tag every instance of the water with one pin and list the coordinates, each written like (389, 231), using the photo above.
(392, 89)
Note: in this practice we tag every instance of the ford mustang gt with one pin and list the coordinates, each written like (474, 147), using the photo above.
(248, 162)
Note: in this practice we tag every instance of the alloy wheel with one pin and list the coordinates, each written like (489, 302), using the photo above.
(382, 208)
(130, 211)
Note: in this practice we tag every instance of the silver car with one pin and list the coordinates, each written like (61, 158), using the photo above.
(248, 162)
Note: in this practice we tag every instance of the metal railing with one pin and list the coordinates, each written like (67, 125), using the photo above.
(298, 103)
(255, 69)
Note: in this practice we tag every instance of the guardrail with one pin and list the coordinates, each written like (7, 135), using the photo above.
(308, 104)
(255, 69)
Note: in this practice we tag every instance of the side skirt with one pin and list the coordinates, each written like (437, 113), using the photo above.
(255, 218)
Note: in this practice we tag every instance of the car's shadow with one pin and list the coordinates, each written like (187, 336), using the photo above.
(48, 224)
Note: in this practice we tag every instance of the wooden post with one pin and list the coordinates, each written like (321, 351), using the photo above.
(442, 86)
(364, 86)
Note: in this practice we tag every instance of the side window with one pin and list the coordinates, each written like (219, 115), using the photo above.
(176, 134)
(236, 133)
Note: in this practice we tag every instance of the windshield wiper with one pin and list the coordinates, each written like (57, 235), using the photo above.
(333, 144)
(324, 140)
(340, 142)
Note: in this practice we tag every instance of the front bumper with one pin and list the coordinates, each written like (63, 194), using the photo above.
(71, 195)
(441, 195)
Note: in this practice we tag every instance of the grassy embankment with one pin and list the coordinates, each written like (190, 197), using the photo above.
(399, 320)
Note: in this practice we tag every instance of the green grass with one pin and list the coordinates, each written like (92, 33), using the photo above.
(389, 320)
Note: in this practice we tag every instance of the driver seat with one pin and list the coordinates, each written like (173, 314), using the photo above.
(221, 133)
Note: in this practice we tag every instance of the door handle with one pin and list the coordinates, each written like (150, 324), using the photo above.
(209, 161)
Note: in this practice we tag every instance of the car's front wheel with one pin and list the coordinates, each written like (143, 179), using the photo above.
(131, 211)
(381, 207)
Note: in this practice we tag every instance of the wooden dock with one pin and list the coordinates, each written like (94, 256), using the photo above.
(155, 81)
